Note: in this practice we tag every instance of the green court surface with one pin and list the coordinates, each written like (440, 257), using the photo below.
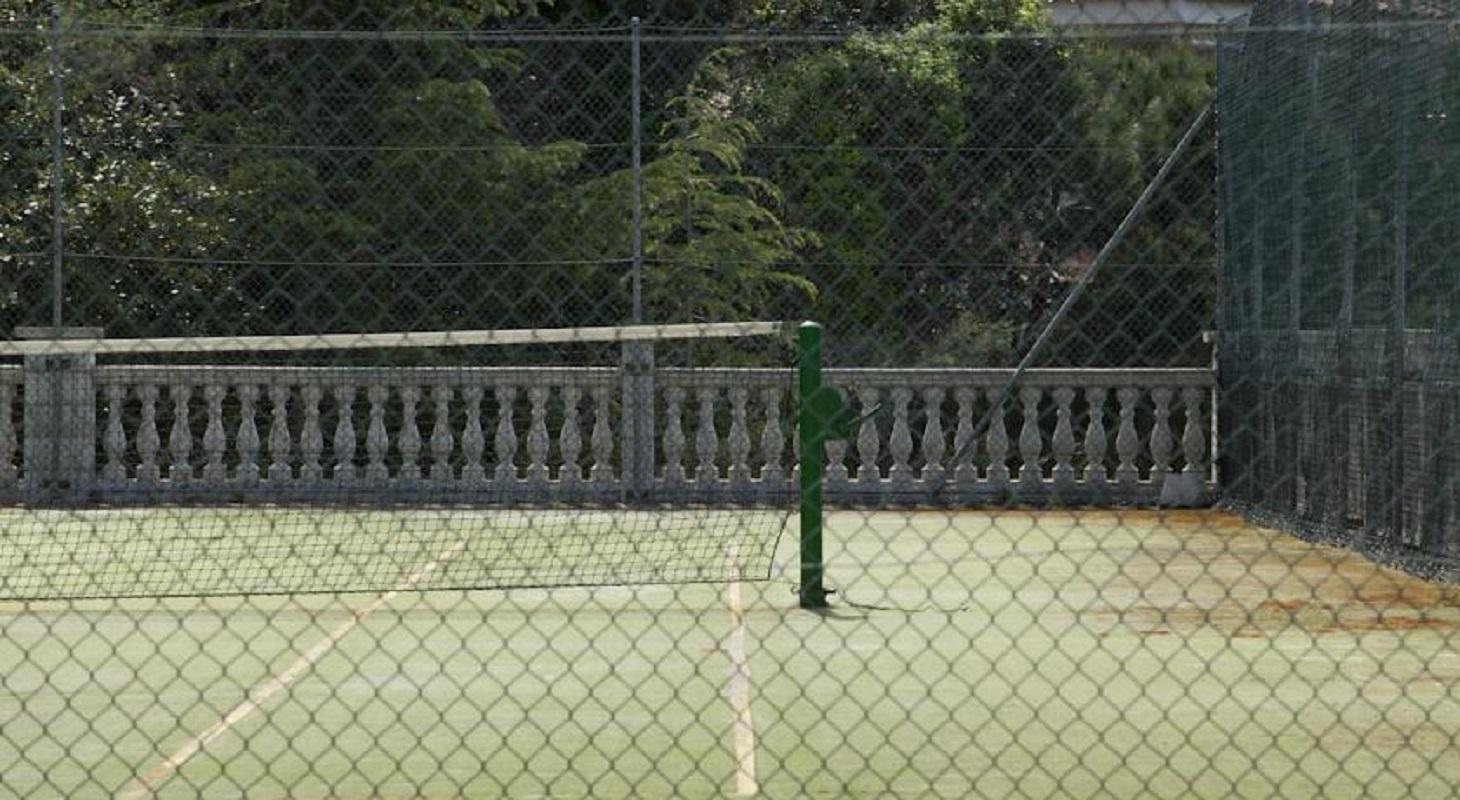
(1096, 653)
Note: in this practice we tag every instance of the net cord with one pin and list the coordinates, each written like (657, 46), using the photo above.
(365, 341)
(1137, 209)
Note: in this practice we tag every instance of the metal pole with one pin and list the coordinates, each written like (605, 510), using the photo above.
(638, 357)
(636, 80)
(1400, 288)
(1347, 387)
(52, 475)
(1297, 417)
(811, 431)
(57, 157)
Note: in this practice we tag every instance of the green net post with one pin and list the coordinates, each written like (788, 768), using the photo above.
(813, 427)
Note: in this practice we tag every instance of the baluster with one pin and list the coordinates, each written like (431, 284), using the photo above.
(311, 436)
(1095, 475)
(1126, 442)
(997, 442)
(707, 441)
(869, 439)
(1193, 438)
(1161, 440)
(376, 440)
(674, 441)
(933, 444)
(115, 438)
(148, 441)
(279, 437)
(772, 440)
(537, 436)
(900, 442)
(408, 443)
(248, 436)
(1063, 443)
(964, 472)
(506, 438)
(214, 440)
(837, 473)
(570, 441)
(602, 438)
(1031, 444)
(343, 444)
(739, 437)
(180, 439)
(441, 439)
(473, 441)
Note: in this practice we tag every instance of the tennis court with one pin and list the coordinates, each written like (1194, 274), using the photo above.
(694, 399)
(1080, 653)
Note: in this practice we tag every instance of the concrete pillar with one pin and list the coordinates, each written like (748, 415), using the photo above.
(638, 420)
(59, 426)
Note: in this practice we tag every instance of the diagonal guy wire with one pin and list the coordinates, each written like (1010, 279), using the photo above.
(1136, 210)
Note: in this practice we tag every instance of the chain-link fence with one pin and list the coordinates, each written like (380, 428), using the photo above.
(393, 402)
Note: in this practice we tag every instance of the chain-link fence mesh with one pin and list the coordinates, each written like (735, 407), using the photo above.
(392, 402)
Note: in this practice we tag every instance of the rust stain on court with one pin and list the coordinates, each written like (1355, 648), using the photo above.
(1245, 583)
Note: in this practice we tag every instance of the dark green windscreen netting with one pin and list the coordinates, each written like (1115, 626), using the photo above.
(1339, 128)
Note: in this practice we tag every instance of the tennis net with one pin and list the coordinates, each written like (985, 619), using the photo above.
(461, 460)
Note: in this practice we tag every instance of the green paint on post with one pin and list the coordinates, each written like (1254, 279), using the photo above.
(813, 425)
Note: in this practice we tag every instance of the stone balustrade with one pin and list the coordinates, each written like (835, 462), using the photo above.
(1079, 436)
(354, 434)
(555, 434)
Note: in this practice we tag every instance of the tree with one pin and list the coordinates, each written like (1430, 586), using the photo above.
(1156, 294)
(714, 246)
(25, 181)
(963, 169)
(929, 187)
(291, 184)
(929, 160)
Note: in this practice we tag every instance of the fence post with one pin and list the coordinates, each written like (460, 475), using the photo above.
(638, 357)
(636, 136)
(58, 143)
(1398, 422)
(59, 417)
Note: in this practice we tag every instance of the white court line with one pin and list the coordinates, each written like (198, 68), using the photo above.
(149, 781)
(742, 728)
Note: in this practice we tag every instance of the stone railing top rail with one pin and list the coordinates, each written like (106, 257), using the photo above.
(130, 374)
(676, 376)
(1043, 377)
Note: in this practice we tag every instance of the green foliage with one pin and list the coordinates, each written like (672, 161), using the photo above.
(24, 161)
(306, 14)
(1156, 293)
(972, 200)
(928, 187)
(714, 246)
(943, 148)
(994, 16)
